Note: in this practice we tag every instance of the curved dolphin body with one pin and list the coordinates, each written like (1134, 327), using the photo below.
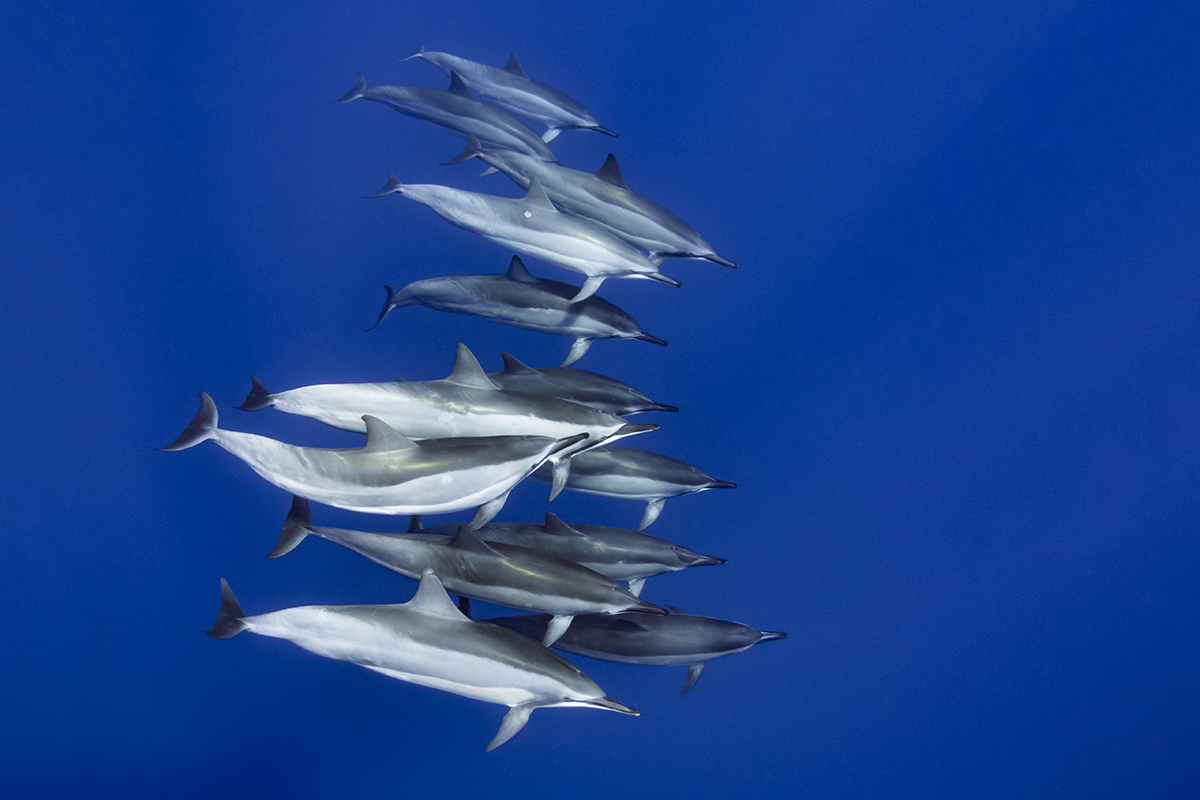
(635, 474)
(427, 641)
(577, 385)
(616, 553)
(510, 88)
(602, 197)
(391, 474)
(672, 640)
(533, 226)
(519, 299)
(503, 574)
(456, 109)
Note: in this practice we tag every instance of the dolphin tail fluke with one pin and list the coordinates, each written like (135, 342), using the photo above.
(202, 427)
(231, 618)
(393, 185)
(652, 339)
(295, 528)
(259, 397)
(653, 509)
(473, 149)
(418, 53)
(589, 288)
(388, 305)
(693, 675)
(724, 262)
(578, 348)
(514, 720)
(556, 627)
(356, 92)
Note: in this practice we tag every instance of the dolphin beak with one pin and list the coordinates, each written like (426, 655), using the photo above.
(768, 636)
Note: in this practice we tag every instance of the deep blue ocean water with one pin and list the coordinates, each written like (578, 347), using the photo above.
(955, 378)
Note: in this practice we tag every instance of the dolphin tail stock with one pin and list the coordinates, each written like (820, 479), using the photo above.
(388, 305)
(203, 426)
(393, 185)
(578, 348)
(651, 338)
(359, 87)
(295, 527)
(693, 675)
(259, 397)
(231, 619)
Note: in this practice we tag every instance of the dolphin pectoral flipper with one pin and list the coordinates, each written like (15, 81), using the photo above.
(295, 528)
(589, 288)
(635, 586)
(513, 721)
(653, 509)
(556, 627)
(202, 426)
(230, 620)
(578, 348)
(485, 512)
(693, 675)
(558, 476)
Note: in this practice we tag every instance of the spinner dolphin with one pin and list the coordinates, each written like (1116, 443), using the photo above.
(577, 385)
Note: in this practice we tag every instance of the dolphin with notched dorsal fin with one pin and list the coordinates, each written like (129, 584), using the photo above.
(577, 385)
(518, 298)
(533, 226)
(511, 89)
(429, 642)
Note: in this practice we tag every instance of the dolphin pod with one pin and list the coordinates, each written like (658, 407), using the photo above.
(577, 385)
(518, 298)
(429, 642)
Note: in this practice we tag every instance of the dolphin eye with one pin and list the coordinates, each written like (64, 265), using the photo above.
(528, 214)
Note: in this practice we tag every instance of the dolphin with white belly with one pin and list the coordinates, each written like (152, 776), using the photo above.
(675, 640)
(518, 298)
(616, 553)
(602, 197)
(391, 474)
(511, 89)
(533, 226)
(635, 474)
(456, 109)
(504, 574)
(429, 642)
(577, 385)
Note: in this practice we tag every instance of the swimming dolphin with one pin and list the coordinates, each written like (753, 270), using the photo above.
(672, 640)
(519, 299)
(577, 385)
(504, 574)
(391, 474)
(616, 553)
(636, 474)
(602, 197)
(533, 226)
(456, 109)
(427, 641)
(511, 89)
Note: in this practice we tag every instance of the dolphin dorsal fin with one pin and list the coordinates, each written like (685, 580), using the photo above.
(537, 197)
(458, 87)
(431, 598)
(513, 366)
(557, 527)
(517, 272)
(468, 540)
(382, 437)
(610, 173)
(514, 66)
(468, 372)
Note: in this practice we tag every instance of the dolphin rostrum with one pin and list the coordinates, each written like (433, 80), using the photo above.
(602, 197)
(391, 474)
(428, 641)
(673, 640)
(510, 88)
(533, 226)
(635, 474)
(456, 109)
(504, 574)
(577, 385)
(518, 298)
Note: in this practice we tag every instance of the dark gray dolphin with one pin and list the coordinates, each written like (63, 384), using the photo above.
(456, 109)
(519, 299)
(635, 474)
(673, 640)
(427, 641)
(510, 88)
(602, 197)
(577, 385)
(504, 574)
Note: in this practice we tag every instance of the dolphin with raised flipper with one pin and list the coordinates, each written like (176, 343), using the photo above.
(429, 642)
(577, 385)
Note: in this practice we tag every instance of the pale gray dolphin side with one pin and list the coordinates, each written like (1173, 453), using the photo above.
(391, 474)
(616, 553)
(519, 299)
(635, 474)
(602, 197)
(577, 385)
(510, 88)
(427, 641)
(675, 640)
(504, 574)
(533, 226)
(456, 109)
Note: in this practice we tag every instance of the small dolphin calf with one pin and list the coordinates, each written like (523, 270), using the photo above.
(391, 474)
(602, 197)
(519, 299)
(504, 574)
(510, 88)
(427, 641)
(532, 225)
(577, 385)
(672, 640)
(636, 474)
